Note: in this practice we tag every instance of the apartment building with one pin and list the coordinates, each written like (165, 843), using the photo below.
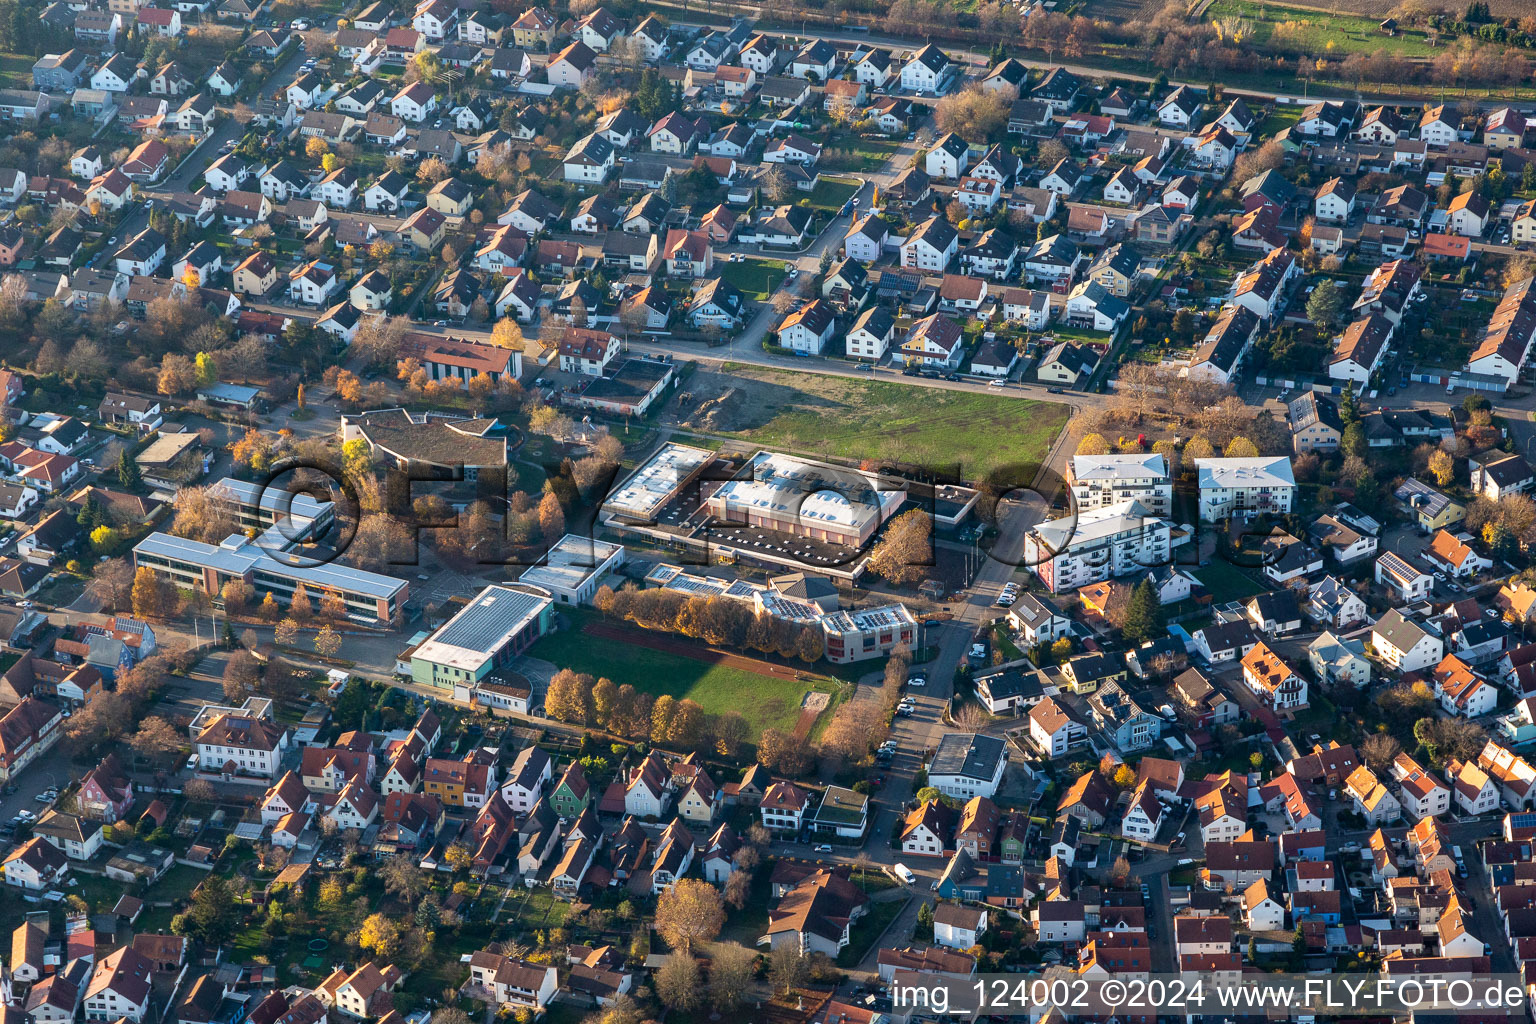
(1230, 487)
(1097, 545)
(1101, 480)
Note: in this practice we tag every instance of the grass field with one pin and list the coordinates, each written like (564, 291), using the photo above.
(755, 278)
(831, 193)
(1316, 32)
(765, 701)
(884, 420)
(852, 153)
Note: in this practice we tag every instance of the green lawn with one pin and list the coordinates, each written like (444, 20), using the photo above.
(831, 193)
(765, 701)
(16, 69)
(898, 422)
(753, 277)
(1316, 32)
(868, 929)
(851, 153)
(1278, 120)
(1226, 582)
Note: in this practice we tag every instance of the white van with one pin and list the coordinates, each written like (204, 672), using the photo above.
(905, 874)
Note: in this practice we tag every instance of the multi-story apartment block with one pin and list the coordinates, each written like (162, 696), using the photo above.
(1230, 487)
(1100, 480)
(1096, 545)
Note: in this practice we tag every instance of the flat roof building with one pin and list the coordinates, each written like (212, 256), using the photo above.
(257, 507)
(369, 596)
(804, 498)
(868, 633)
(573, 568)
(850, 635)
(487, 635)
(657, 481)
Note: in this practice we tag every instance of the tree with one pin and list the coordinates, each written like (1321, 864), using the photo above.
(156, 737)
(127, 471)
(1442, 467)
(775, 184)
(789, 967)
(285, 632)
(568, 696)
(254, 449)
(241, 674)
(974, 114)
(1380, 750)
(1093, 444)
(327, 641)
(780, 751)
(1198, 448)
(678, 983)
(403, 879)
(213, 913)
(551, 517)
(738, 886)
(507, 334)
(731, 969)
(1061, 650)
(177, 375)
(112, 583)
(201, 517)
(1500, 540)
(905, 553)
(153, 597)
(1144, 614)
(299, 608)
(1326, 306)
(1241, 448)
(206, 370)
(1125, 776)
(333, 607)
(379, 935)
(731, 731)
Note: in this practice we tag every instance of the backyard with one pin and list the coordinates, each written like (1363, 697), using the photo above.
(884, 420)
(859, 155)
(755, 278)
(1226, 582)
(765, 701)
(831, 193)
(877, 918)
(16, 70)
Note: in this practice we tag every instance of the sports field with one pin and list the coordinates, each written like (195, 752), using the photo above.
(766, 701)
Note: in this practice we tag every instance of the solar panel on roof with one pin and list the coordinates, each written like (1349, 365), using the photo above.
(488, 619)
